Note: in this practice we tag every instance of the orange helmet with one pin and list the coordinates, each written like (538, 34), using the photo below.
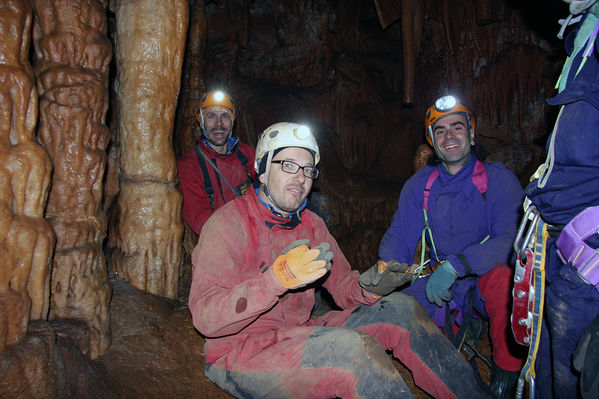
(444, 106)
(216, 98)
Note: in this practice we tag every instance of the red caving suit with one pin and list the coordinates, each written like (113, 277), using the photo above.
(261, 341)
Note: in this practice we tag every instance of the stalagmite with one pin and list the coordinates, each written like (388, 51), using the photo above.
(26, 239)
(72, 54)
(150, 44)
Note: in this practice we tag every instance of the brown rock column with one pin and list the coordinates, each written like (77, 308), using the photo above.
(26, 239)
(72, 54)
(150, 46)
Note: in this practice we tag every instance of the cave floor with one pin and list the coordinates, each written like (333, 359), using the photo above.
(157, 353)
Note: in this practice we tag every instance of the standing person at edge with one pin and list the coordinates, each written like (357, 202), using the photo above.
(565, 192)
(255, 269)
(468, 213)
(216, 170)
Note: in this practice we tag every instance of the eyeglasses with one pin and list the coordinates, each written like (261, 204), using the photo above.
(293, 168)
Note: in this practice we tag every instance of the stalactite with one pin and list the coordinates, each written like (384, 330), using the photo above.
(149, 50)
(517, 75)
(26, 239)
(354, 116)
(72, 54)
(486, 11)
(239, 11)
(498, 68)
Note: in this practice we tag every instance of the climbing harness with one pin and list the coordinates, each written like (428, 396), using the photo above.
(572, 248)
(471, 329)
(480, 181)
(239, 190)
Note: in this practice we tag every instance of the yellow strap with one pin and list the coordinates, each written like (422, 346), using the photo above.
(538, 277)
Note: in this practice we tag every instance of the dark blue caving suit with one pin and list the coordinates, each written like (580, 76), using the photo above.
(568, 187)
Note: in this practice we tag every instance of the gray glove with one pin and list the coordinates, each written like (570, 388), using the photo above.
(384, 277)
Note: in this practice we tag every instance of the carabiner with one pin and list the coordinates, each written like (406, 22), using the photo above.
(531, 214)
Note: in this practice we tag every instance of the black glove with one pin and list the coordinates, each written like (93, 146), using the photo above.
(586, 360)
(384, 277)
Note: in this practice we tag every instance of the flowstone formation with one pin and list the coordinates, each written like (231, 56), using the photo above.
(72, 54)
(150, 44)
(26, 239)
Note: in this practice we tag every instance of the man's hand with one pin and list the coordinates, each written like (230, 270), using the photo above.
(298, 265)
(384, 277)
(439, 283)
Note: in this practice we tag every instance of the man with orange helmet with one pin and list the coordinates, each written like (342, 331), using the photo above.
(467, 211)
(216, 170)
(255, 269)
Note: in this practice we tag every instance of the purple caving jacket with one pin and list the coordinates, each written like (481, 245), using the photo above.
(573, 182)
(459, 216)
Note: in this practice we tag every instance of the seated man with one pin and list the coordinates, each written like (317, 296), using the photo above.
(468, 213)
(216, 170)
(255, 267)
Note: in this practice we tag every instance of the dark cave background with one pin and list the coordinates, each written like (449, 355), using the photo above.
(332, 66)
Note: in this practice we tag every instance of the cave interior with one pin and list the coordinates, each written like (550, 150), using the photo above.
(98, 102)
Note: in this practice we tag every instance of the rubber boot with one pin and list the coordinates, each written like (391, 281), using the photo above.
(503, 383)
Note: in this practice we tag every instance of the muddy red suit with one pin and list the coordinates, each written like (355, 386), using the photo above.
(262, 342)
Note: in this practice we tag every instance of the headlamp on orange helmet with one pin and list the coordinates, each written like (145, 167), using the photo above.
(444, 106)
(216, 98)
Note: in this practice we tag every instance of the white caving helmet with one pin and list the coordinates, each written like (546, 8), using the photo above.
(282, 135)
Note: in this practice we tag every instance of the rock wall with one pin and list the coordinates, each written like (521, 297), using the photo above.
(26, 239)
(335, 68)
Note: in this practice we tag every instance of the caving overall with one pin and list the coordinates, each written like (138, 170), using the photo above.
(557, 277)
(262, 342)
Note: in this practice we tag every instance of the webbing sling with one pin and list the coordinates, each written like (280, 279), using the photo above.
(538, 277)
(208, 183)
(480, 181)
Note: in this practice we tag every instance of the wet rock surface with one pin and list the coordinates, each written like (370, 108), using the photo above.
(155, 353)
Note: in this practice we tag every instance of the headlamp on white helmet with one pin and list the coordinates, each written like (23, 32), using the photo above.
(282, 135)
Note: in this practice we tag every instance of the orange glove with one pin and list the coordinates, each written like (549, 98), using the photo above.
(298, 265)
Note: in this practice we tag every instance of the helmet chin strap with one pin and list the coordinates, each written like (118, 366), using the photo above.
(266, 174)
(267, 191)
(203, 128)
(276, 208)
(272, 201)
(468, 119)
